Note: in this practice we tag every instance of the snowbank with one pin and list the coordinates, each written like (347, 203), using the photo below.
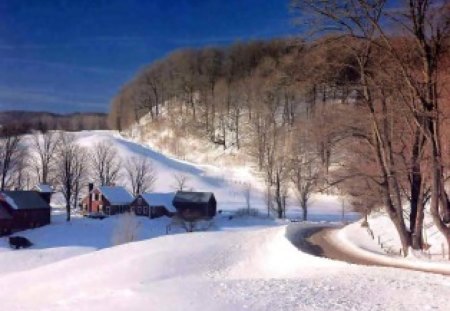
(357, 240)
(254, 270)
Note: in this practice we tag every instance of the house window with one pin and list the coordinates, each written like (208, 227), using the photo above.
(139, 209)
(145, 210)
(139, 201)
(108, 210)
(93, 196)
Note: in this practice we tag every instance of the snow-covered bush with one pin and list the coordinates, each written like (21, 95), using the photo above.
(126, 229)
(246, 212)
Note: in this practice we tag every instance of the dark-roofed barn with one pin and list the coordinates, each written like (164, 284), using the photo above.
(193, 206)
(27, 209)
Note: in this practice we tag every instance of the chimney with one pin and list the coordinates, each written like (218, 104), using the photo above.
(90, 188)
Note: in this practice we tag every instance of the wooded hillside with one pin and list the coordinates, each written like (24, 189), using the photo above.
(363, 105)
(31, 120)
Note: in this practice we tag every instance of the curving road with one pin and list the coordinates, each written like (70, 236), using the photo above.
(315, 239)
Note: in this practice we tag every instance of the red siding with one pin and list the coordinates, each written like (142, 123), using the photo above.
(100, 204)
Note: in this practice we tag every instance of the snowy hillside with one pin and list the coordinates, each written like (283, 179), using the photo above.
(227, 182)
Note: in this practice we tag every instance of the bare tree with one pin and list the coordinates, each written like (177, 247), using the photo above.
(10, 154)
(71, 168)
(358, 20)
(305, 172)
(413, 56)
(247, 192)
(21, 177)
(106, 165)
(44, 146)
(305, 164)
(141, 174)
(181, 181)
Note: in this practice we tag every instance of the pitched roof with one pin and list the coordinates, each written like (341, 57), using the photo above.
(160, 199)
(23, 200)
(192, 197)
(44, 188)
(4, 215)
(116, 195)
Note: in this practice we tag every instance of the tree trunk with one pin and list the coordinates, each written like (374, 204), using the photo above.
(305, 210)
(67, 210)
(417, 235)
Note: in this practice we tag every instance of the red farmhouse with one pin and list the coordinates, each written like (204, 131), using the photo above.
(107, 200)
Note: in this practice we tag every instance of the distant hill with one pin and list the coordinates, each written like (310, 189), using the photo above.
(52, 121)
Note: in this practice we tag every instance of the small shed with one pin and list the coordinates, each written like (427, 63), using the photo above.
(154, 204)
(109, 200)
(193, 206)
(27, 209)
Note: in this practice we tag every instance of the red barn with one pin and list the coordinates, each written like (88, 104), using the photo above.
(107, 200)
(20, 210)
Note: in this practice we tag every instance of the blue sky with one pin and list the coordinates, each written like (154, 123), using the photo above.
(74, 55)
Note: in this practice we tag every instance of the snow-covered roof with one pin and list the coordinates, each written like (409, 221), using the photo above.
(116, 195)
(160, 199)
(44, 188)
(192, 197)
(23, 200)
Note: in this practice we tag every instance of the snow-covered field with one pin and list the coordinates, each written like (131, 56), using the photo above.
(225, 270)
(241, 263)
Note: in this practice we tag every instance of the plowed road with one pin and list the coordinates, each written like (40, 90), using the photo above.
(315, 239)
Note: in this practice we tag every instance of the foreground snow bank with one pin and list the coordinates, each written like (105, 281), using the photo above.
(229, 270)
